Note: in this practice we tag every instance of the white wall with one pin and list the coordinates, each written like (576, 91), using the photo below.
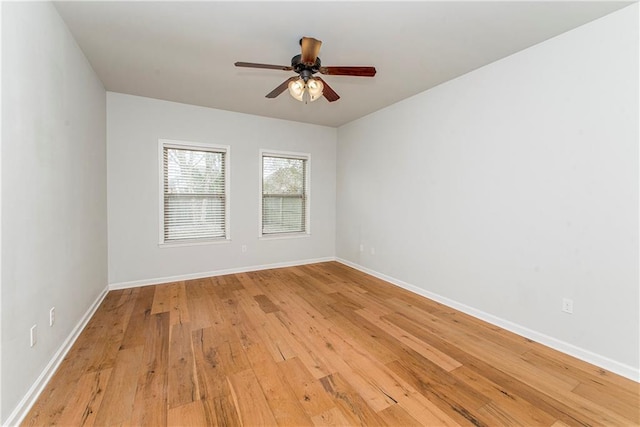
(54, 212)
(134, 126)
(510, 188)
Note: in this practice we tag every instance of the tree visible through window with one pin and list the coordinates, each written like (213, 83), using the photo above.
(195, 199)
(284, 194)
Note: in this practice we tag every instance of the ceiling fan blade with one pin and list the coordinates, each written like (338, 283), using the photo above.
(267, 66)
(310, 50)
(349, 71)
(283, 86)
(328, 93)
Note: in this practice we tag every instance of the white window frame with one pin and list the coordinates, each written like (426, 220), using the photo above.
(190, 145)
(288, 155)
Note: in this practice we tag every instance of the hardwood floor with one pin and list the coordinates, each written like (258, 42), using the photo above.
(321, 344)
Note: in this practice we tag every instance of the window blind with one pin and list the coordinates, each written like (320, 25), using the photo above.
(284, 195)
(194, 194)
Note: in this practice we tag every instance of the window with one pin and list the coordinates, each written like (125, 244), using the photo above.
(194, 202)
(285, 193)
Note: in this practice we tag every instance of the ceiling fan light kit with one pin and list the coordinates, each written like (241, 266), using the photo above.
(305, 87)
(307, 91)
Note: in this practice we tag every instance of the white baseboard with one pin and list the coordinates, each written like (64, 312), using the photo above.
(178, 278)
(23, 407)
(556, 344)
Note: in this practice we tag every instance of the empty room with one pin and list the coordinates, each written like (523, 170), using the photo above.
(320, 213)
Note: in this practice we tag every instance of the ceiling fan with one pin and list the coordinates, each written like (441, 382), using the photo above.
(305, 86)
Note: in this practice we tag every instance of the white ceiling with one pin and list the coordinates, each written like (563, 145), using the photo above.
(184, 51)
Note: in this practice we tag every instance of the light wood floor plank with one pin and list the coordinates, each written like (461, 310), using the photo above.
(301, 344)
(361, 332)
(179, 308)
(192, 414)
(319, 344)
(436, 356)
(396, 416)
(105, 349)
(307, 389)
(151, 392)
(520, 411)
(213, 367)
(279, 395)
(83, 405)
(250, 401)
(138, 324)
(117, 403)
(258, 318)
(350, 401)
(182, 383)
(331, 417)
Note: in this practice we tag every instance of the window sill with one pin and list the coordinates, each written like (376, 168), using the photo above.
(193, 243)
(280, 236)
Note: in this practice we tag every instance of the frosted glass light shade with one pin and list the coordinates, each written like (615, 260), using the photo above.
(297, 88)
(315, 88)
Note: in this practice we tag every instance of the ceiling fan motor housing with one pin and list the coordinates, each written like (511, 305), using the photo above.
(300, 67)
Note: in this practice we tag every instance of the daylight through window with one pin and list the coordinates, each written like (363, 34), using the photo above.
(195, 193)
(284, 194)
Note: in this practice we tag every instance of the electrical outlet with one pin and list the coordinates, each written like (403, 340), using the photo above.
(361, 247)
(33, 337)
(567, 305)
(373, 251)
(52, 316)
(244, 249)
